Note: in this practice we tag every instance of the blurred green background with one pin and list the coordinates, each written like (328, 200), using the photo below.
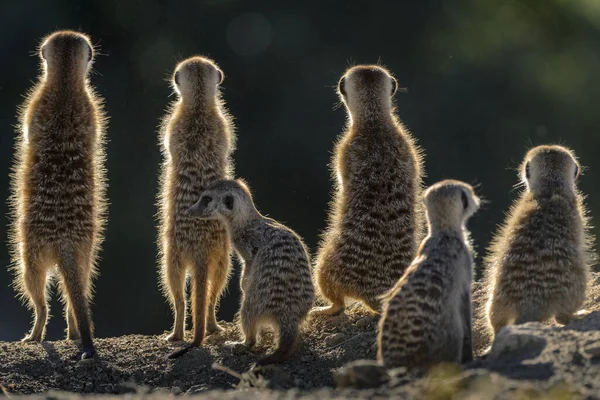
(487, 80)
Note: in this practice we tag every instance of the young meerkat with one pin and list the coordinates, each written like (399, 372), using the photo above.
(376, 219)
(427, 317)
(276, 282)
(197, 141)
(58, 193)
(538, 263)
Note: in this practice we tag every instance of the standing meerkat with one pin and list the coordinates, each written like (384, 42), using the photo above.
(427, 318)
(276, 282)
(538, 263)
(376, 219)
(59, 186)
(197, 140)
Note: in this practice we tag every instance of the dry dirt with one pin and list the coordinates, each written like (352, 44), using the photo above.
(529, 361)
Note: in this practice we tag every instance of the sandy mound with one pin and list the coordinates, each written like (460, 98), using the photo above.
(529, 361)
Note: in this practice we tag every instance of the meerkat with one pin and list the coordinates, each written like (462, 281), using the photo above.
(538, 263)
(197, 140)
(427, 317)
(276, 280)
(58, 193)
(375, 222)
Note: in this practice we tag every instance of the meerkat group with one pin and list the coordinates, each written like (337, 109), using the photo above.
(375, 249)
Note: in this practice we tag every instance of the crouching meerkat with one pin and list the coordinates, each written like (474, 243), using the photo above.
(59, 186)
(276, 282)
(427, 317)
(538, 263)
(197, 141)
(375, 220)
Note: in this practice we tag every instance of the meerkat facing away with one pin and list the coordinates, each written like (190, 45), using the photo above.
(59, 186)
(427, 318)
(197, 141)
(376, 222)
(538, 264)
(276, 282)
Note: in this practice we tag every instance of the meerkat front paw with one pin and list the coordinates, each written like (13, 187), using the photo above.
(214, 328)
(32, 338)
(331, 310)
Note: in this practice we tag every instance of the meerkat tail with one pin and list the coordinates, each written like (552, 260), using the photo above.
(199, 304)
(77, 300)
(288, 335)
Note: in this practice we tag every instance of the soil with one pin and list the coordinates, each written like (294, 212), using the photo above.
(528, 361)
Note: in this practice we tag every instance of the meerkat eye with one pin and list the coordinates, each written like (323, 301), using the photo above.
(341, 86)
(176, 78)
(394, 86)
(228, 201)
(205, 200)
(465, 200)
(527, 174)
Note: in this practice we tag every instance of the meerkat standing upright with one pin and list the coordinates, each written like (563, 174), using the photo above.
(59, 186)
(376, 219)
(538, 264)
(276, 279)
(427, 318)
(197, 138)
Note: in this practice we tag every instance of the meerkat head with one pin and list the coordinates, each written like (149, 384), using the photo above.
(228, 200)
(367, 89)
(197, 77)
(67, 51)
(450, 203)
(550, 168)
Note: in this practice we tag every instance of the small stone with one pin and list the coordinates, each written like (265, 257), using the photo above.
(361, 374)
(334, 340)
(517, 338)
(176, 390)
(363, 323)
(177, 383)
(89, 386)
(592, 351)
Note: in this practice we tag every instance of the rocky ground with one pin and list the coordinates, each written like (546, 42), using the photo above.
(529, 361)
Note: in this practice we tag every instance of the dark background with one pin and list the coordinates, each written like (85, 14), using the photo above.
(487, 80)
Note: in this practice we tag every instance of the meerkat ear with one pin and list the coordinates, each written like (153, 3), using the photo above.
(176, 78)
(221, 76)
(43, 52)
(576, 171)
(341, 84)
(394, 86)
(90, 53)
(527, 174)
(228, 201)
(465, 199)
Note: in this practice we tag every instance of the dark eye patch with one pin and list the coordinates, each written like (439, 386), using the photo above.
(465, 200)
(205, 200)
(228, 201)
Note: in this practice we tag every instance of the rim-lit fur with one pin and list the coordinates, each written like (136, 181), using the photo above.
(58, 185)
(538, 263)
(197, 140)
(376, 218)
(427, 318)
(276, 283)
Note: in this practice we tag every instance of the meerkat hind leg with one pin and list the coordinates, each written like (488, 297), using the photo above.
(199, 302)
(566, 318)
(72, 329)
(175, 275)
(218, 281)
(288, 336)
(34, 281)
(76, 283)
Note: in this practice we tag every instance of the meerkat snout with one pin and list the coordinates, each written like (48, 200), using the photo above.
(212, 207)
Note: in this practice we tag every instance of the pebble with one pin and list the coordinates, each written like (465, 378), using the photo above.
(511, 339)
(176, 390)
(336, 339)
(364, 322)
(89, 386)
